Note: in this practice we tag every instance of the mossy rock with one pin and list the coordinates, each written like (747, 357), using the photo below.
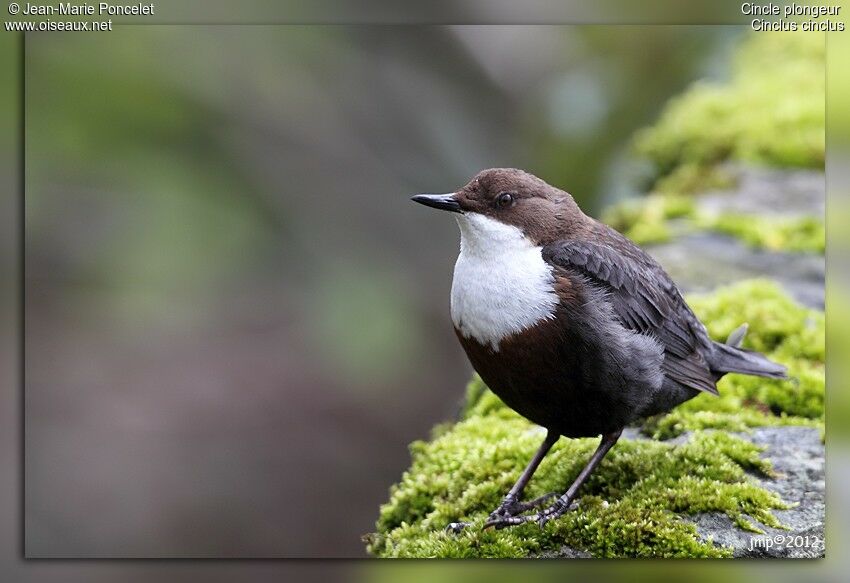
(770, 114)
(660, 218)
(663, 217)
(638, 501)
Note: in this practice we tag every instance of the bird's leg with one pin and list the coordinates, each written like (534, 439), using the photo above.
(562, 504)
(511, 505)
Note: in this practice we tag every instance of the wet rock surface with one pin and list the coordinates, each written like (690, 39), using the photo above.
(565, 552)
(705, 260)
(797, 454)
(769, 191)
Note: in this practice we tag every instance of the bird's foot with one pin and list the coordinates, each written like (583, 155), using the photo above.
(512, 506)
(541, 517)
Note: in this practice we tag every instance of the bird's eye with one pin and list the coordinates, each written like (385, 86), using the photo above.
(504, 200)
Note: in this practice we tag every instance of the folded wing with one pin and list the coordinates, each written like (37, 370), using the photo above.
(644, 299)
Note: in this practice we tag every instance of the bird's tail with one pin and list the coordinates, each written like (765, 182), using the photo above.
(729, 357)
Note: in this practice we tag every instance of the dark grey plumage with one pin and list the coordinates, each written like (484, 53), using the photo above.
(646, 300)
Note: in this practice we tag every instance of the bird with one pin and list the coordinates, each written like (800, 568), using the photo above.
(572, 325)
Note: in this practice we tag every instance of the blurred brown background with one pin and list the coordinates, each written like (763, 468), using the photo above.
(235, 319)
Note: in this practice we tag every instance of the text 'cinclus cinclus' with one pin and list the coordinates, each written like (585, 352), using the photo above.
(571, 324)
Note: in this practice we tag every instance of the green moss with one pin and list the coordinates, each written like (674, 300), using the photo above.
(646, 220)
(657, 217)
(692, 177)
(804, 234)
(629, 507)
(770, 112)
(632, 506)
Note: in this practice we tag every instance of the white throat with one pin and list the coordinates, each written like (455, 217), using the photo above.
(501, 284)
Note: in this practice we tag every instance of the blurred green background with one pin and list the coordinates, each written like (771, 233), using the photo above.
(236, 321)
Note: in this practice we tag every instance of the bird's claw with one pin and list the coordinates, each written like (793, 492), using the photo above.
(505, 521)
(541, 518)
(501, 522)
(511, 506)
(509, 513)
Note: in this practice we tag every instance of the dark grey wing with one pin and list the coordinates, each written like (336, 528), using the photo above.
(645, 300)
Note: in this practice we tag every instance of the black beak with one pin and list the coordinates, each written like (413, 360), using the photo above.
(446, 202)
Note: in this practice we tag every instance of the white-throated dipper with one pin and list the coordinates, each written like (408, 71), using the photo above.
(571, 324)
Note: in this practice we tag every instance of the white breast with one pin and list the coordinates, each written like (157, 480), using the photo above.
(501, 284)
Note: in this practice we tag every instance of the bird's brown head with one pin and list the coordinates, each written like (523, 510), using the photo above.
(512, 197)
